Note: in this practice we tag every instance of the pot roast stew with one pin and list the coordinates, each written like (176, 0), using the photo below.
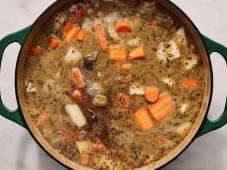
(114, 85)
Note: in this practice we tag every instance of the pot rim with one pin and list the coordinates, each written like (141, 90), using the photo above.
(173, 158)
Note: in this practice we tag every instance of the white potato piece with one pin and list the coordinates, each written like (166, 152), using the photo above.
(73, 56)
(103, 161)
(59, 20)
(169, 81)
(172, 50)
(180, 37)
(190, 62)
(134, 42)
(84, 147)
(184, 129)
(87, 25)
(161, 53)
(30, 87)
(136, 90)
(75, 115)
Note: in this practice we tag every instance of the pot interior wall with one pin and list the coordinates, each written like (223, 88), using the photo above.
(34, 130)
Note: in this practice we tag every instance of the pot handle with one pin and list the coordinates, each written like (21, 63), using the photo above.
(209, 125)
(18, 37)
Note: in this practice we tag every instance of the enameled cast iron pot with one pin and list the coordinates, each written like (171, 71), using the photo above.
(201, 126)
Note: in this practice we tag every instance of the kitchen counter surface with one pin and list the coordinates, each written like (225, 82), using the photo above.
(18, 151)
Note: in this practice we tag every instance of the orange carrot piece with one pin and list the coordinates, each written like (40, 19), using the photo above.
(36, 50)
(82, 35)
(136, 53)
(126, 67)
(68, 27)
(85, 160)
(77, 77)
(160, 138)
(98, 146)
(42, 118)
(101, 36)
(143, 119)
(117, 53)
(162, 108)
(151, 94)
(189, 83)
(123, 99)
(53, 42)
(123, 26)
(71, 35)
(77, 95)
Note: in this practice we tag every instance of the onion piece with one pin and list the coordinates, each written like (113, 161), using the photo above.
(73, 56)
(76, 115)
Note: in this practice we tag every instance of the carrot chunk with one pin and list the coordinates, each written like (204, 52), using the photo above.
(53, 42)
(136, 53)
(36, 50)
(123, 26)
(160, 138)
(85, 160)
(117, 53)
(68, 27)
(123, 99)
(151, 94)
(42, 118)
(99, 146)
(189, 83)
(71, 35)
(162, 108)
(77, 77)
(143, 119)
(126, 67)
(77, 96)
(82, 35)
(101, 36)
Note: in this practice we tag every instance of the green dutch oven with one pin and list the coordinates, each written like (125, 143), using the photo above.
(202, 126)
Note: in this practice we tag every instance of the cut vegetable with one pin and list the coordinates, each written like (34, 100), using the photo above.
(136, 90)
(183, 107)
(42, 118)
(101, 36)
(111, 18)
(169, 81)
(136, 53)
(71, 35)
(190, 62)
(77, 77)
(79, 13)
(76, 115)
(112, 33)
(184, 129)
(162, 108)
(59, 19)
(87, 25)
(84, 147)
(123, 26)
(100, 100)
(161, 53)
(53, 42)
(36, 50)
(98, 146)
(151, 94)
(173, 51)
(77, 96)
(82, 35)
(126, 67)
(143, 119)
(73, 56)
(86, 160)
(117, 53)
(189, 84)
(68, 27)
(180, 37)
(134, 42)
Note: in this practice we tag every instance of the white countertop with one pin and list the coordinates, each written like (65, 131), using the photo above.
(18, 151)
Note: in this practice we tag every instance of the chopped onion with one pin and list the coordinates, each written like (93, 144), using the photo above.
(180, 37)
(76, 115)
(84, 147)
(73, 56)
(173, 51)
(161, 53)
(184, 129)
(136, 90)
(169, 81)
